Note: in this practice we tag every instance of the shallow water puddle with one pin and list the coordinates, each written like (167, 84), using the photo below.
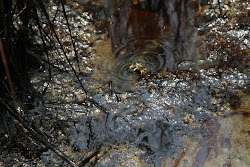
(171, 98)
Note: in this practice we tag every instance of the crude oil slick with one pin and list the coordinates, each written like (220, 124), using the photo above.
(170, 109)
(175, 115)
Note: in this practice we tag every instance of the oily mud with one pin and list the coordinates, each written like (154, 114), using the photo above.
(141, 110)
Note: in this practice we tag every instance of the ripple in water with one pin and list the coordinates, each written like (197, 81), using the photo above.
(150, 37)
(133, 63)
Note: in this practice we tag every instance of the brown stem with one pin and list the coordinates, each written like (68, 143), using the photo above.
(13, 93)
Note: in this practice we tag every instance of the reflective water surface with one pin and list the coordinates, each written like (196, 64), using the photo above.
(167, 83)
(152, 36)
